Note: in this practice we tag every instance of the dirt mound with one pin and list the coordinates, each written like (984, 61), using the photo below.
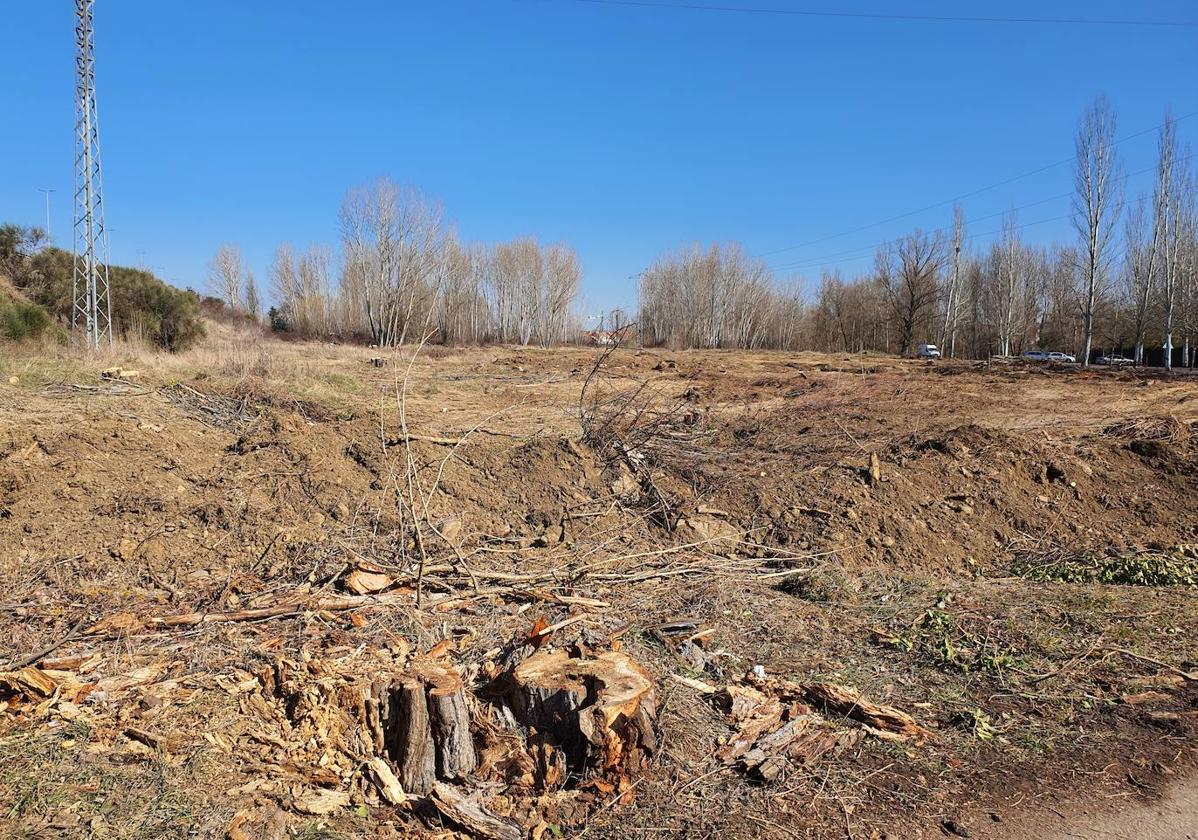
(231, 590)
(956, 498)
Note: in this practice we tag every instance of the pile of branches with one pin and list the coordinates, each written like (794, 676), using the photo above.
(635, 425)
(1165, 428)
(225, 411)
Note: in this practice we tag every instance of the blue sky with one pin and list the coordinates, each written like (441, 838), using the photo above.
(624, 131)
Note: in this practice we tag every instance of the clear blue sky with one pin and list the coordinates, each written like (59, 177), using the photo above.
(624, 131)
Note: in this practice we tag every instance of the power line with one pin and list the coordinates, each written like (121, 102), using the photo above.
(750, 10)
(961, 197)
(866, 251)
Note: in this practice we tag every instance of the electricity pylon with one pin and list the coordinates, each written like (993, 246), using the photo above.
(91, 316)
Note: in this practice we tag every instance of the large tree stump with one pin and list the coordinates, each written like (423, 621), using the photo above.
(586, 716)
(417, 720)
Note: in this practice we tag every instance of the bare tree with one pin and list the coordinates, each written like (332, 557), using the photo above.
(1141, 264)
(393, 242)
(1096, 205)
(948, 340)
(908, 272)
(1009, 282)
(1174, 210)
(284, 282)
(226, 273)
(253, 304)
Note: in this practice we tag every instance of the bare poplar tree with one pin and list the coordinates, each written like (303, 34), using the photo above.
(1096, 206)
(284, 282)
(226, 273)
(253, 304)
(562, 276)
(393, 243)
(952, 303)
(1171, 197)
(1009, 266)
(1141, 265)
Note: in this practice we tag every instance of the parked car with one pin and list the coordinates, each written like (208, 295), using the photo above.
(1115, 360)
(927, 351)
(1057, 356)
(1035, 356)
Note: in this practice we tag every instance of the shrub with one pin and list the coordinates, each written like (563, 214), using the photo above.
(1142, 569)
(142, 305)
(19, 320)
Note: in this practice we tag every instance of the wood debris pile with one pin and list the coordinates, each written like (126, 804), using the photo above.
(782, 725)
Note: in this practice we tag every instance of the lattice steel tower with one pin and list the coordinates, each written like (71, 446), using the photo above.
(91, 317)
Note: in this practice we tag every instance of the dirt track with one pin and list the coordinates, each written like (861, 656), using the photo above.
(1173, 817)
(754, 515)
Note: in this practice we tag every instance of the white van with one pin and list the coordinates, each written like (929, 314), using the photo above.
(927, 351)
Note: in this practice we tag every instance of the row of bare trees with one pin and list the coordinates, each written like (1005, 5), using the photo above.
(933, 287)
(718, 297)
(403, 275)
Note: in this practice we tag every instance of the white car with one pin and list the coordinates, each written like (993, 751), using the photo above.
(1115, 360)
(927, 351)
(1056, 356)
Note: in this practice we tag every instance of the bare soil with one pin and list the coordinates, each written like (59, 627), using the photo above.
(909, 530)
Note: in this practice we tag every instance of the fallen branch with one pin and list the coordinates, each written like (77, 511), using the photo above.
(18, 664)
(1189, 676)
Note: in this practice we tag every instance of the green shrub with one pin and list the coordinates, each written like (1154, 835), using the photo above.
(19, 320)
(142, 305)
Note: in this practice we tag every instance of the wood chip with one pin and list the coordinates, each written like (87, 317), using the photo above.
(850, 703)
(322, 802)
(386, 782)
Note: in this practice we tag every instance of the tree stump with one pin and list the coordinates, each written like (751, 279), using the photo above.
(586, 716)
(417, 720)
(426, 727)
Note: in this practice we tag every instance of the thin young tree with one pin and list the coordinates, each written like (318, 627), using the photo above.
(1097, 202)
(948, 340)
(1174, 198)
(1141, 265)
(1009, 266)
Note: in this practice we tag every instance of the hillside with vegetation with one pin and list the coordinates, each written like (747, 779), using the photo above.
(37, 303)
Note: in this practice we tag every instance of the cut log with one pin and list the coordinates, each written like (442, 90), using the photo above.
(598, 712)
(845, 701)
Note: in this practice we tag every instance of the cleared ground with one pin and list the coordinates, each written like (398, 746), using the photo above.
(1006, 554)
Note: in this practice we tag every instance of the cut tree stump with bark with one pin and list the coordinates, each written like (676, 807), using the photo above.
(586, 716)
(417, 719)
(426, 727)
